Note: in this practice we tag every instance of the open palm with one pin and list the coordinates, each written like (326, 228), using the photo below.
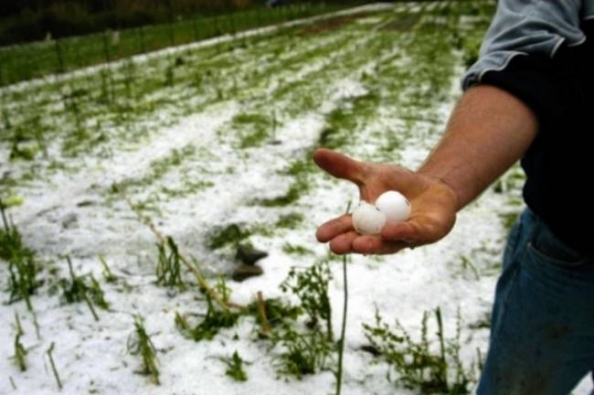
(434, 205)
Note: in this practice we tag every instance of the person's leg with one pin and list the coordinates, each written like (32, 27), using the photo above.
(542, 333)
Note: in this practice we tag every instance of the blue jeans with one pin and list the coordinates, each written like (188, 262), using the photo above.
(542, 331)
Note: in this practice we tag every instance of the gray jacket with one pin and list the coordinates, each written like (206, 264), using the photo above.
(523, 27)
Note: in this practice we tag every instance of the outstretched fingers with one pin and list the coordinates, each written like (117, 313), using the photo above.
(334, 228)
(342, 238)
(353, 242)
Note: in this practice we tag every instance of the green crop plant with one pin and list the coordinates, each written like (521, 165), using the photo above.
(302, 353)
(141, 344)
(277, 312)
(311, 287)
(310, 349)
(235, 367)
(21, 144)
(50, 355)
(77, 289)
(22, 266)
(214, 320)
(96, 294)
(416, 363)
(19, 351)
(231, 235)
(107, 273)
(169, 264)
(223, 290)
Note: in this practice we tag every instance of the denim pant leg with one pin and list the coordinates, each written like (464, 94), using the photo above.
(542, 333)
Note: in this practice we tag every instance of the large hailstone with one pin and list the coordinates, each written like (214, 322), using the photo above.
(394, 205)
(367, 219)
(390, 206)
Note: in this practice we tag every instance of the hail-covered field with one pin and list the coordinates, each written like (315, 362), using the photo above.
(122, 177)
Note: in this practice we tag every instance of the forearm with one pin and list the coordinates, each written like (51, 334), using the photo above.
(489, 130)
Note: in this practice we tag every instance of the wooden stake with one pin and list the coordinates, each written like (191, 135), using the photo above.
(262, 312)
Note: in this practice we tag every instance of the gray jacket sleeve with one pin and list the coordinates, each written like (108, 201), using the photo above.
(524, 27)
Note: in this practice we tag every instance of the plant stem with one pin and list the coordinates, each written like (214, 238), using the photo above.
(344, 319)
(440, 335)
(36, 325)
(51, 358)
(93, 311)
(19, 351)
(343, 329)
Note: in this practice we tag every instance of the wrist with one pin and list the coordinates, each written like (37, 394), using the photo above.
(442, 181)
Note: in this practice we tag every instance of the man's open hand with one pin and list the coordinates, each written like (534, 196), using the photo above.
(434, 206)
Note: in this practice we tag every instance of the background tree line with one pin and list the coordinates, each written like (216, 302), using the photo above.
(31, 20)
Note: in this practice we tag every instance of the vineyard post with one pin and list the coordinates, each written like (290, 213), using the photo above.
(259, 16)
(106, 47)
(59, 56)
(2, 74)
(142, 42)
(195, 29)
(171, 27)
(232, 22)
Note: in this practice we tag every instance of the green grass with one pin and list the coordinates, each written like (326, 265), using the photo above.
(22, 265)
(427, 365)
(83, 288)
(168, 269)
(20, 352)
(141, 344)
(235, 367)
(210, 325)
(231, 234)
(24, 62)
(253, 128)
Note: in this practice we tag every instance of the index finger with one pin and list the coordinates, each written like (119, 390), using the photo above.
(339, 165)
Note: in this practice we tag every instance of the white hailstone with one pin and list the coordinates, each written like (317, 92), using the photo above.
(394, 205)
(367, 219)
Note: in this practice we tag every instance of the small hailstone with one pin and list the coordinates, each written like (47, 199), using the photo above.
(367, 219)
(394, 205)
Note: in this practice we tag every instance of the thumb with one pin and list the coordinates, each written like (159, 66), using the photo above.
(339, 165)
